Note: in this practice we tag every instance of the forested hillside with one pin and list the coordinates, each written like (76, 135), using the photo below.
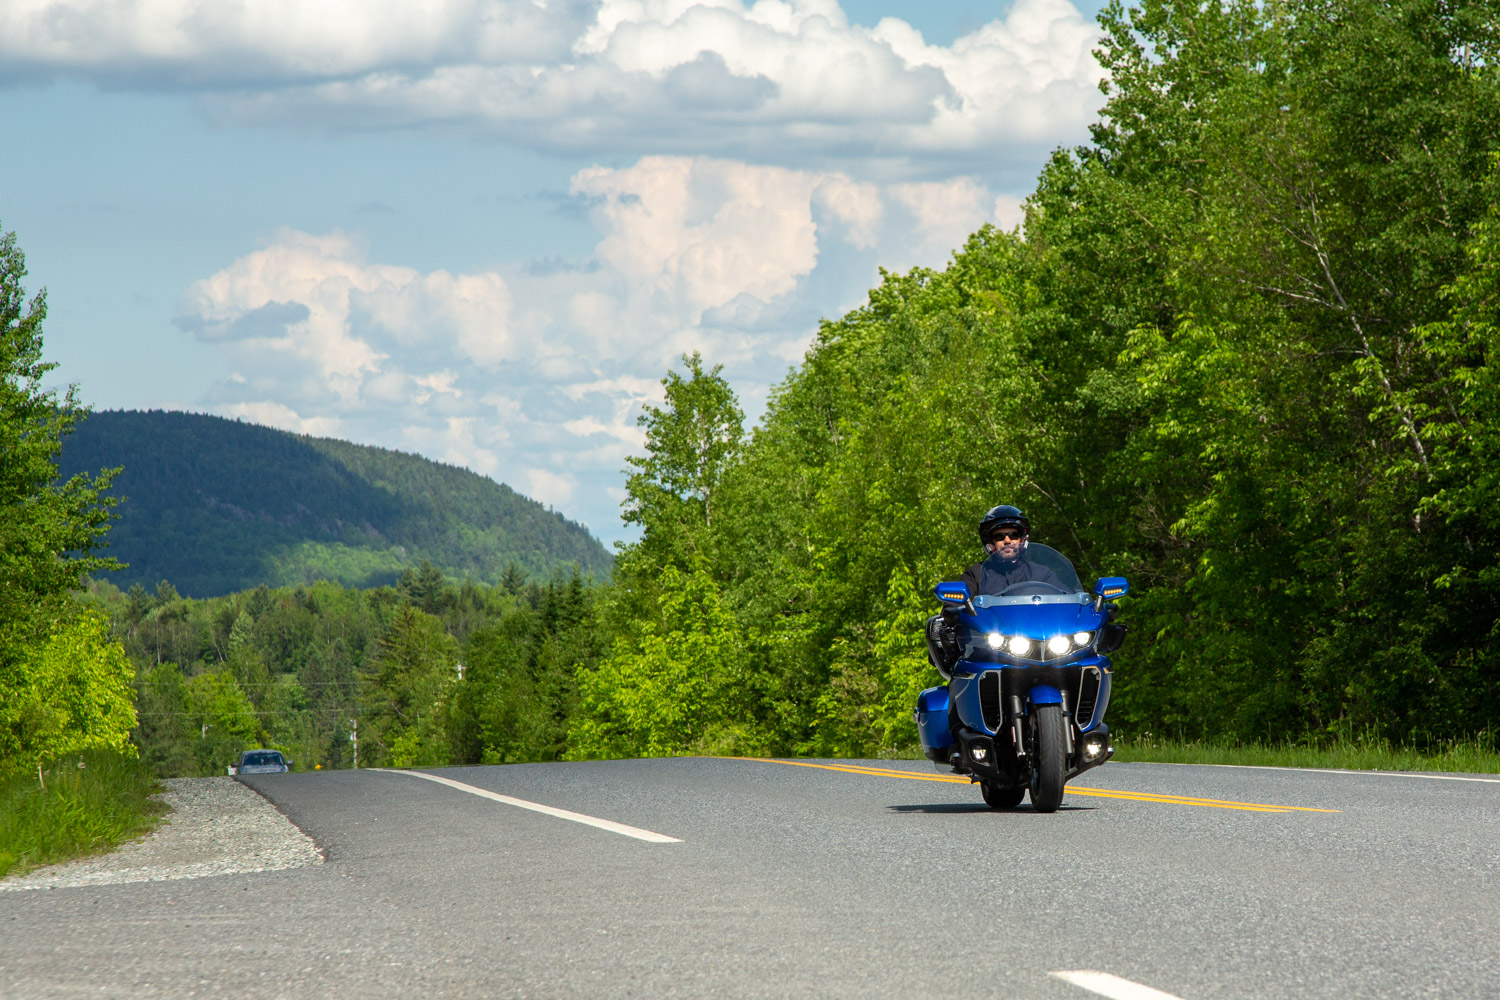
(216, 505)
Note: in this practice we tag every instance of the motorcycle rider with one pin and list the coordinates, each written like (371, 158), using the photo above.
(1005, 532)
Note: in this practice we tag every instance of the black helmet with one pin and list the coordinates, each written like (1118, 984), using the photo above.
(1002, 515)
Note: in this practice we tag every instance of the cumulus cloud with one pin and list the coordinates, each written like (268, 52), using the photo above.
(781, 81)
(538, 378)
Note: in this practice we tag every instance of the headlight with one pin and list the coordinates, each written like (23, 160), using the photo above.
(1081, 639)
(995, 639)
(1018, 645)
(1058, 645)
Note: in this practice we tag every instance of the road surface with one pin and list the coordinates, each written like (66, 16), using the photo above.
(810, 879)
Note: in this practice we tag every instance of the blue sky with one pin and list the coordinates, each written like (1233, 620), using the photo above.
(481, 230)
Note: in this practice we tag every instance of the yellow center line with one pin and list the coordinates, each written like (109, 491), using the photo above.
(1103, 793)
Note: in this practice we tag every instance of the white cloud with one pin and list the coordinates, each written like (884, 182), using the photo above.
(943, 213)
(538, 379)
(784, 81)
(272, 414)
(703, 231)
(551, 488)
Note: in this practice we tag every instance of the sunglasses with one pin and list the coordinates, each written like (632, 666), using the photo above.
(1007, 535)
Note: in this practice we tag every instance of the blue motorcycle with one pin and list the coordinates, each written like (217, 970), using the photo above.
(1028, 682)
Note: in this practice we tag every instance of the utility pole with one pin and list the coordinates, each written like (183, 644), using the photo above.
(354, 738)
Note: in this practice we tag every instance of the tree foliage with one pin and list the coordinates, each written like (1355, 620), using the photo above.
(1242, 352)
(60, 676)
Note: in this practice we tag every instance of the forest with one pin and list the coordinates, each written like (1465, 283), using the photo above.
(1242, 352)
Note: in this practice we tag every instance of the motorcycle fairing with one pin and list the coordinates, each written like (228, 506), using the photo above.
(1075, 677)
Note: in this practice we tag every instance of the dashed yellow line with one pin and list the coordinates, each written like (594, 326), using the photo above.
(1103, 793)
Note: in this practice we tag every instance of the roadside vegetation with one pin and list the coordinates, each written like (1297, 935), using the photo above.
(1478, 755)
(79, 805)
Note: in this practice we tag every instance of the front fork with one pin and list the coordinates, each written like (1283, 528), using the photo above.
(1018, 727)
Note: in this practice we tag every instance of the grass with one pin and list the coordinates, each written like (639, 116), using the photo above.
(1472, 755)
(82, 811)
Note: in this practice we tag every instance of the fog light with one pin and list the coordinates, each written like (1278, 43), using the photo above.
(1058, 644)
(1093, 749)
(979, 752)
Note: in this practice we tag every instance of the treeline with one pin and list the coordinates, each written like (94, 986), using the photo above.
(217, 506)
(1242, 352)
(427, 672)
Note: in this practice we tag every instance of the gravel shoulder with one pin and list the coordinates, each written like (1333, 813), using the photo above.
(217, 827)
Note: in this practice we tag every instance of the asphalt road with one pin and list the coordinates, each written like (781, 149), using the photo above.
(880, 879)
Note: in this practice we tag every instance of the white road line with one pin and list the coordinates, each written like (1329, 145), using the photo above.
(1334, 770)
(1113, 987)
(602, 824)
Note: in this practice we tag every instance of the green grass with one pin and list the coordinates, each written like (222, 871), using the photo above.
(1474, 755)
(83, 811)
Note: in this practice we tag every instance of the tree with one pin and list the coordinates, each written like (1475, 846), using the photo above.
(48, 532)
(689, 442)
(75, 695)
(406, 691)
(680, 682)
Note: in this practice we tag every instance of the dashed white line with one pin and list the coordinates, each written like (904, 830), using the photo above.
(1335, 770)
(594, 821)
(1113, 987)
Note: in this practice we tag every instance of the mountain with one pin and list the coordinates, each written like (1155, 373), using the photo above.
(216, 506)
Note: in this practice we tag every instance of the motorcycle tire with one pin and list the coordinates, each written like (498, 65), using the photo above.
(1001, 798)
(1050, 753)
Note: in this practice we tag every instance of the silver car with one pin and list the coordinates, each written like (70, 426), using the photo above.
(261, 762)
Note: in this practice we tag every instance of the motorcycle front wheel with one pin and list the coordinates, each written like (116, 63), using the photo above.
(1051, 756)
(1001, 798)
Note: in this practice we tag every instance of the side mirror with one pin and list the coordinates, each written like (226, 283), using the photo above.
(1108, 588)
(290, 764)
(954, 594)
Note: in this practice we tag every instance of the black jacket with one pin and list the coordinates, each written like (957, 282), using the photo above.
(994, 574)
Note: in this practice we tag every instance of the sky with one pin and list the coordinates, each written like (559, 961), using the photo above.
(483, 230)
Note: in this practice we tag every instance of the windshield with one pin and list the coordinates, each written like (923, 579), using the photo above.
(1041, 570)
(261, 759)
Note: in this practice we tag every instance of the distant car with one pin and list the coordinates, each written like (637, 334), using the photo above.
(261, 762)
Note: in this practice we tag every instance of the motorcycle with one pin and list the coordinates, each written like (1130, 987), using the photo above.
(1029, 679)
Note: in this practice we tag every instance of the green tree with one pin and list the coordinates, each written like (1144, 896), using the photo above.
(48, 532)
(77, 695)
(672, 492)
(406, 691)
(679, 683)
(224, 720)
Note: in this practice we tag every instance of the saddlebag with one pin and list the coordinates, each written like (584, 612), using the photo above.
(932, 723)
